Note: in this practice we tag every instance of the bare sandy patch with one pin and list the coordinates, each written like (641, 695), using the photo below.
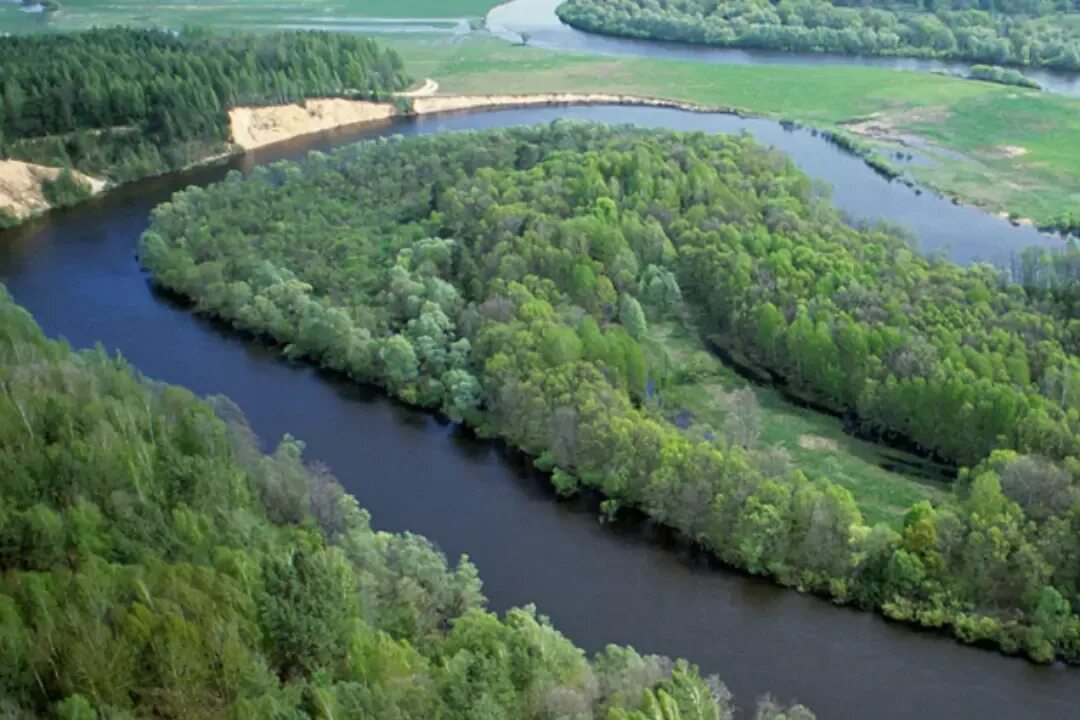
(452, 103)
(887, 126)
(20, 186)
(816, 442)
(1012, 151)
(255, 127)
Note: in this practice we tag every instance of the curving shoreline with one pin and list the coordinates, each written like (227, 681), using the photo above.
(257, 127)
(22, 188)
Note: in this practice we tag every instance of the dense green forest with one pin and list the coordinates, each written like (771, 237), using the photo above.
(124, 103)
(155, 563)
(505, 277)
(1037, 33)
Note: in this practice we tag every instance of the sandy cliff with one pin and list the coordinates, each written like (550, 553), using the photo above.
(450, 103)
(20, 186)
(254, 127)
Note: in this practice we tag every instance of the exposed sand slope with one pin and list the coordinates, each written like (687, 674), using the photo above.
(254, 127)
(450, 103)
(20, 186)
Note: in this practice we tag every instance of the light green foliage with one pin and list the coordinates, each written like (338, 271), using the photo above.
(154, 563)
(632, 316)
(534, 229)
(965, 127)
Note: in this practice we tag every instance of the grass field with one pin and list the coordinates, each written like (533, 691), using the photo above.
(364, 16)
(816, 443)
(1004, 148)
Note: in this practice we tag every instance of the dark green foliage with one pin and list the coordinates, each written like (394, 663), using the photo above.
(1038, 33)
(7, 218)
(491, 275)
(128, 103)
(1002, 76)
(141, 576)
(66, 189)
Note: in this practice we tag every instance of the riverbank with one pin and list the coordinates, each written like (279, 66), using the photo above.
(962, 127)
(256, 127)
(488, 504)
(23, 189)
(253, 128)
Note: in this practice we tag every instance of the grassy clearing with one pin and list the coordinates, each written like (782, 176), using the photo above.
(1028, 142)
(698, 400)
(367, 16)
(971, 123)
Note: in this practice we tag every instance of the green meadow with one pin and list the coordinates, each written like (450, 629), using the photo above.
(364, 16)
(1003, 148)
(699, 392)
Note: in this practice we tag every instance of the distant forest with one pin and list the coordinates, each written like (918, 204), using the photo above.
(1035, 33)
(126, 103)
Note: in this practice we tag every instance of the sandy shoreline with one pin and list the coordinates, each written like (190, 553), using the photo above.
(22, 192)
(256, 127)
(253, 127)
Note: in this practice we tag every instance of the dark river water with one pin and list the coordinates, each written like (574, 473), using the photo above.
(537, 17)
(75, 270)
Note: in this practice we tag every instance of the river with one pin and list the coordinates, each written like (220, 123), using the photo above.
(75, 270)
(537, 17)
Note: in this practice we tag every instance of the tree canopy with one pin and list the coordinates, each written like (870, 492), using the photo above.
(155, 563)
(505, 277)
(1038, 33)
(127, 103)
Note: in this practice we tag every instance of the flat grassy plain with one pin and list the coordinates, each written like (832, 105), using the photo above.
(699, 393)
(362, 16)
(1003, 148)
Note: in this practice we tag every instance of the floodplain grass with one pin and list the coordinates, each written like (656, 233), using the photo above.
(366, 16)
(698, 392)
(972, 129)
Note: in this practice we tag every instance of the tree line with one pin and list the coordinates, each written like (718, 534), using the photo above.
(127, 103)
(506, 277)
(1037, 34)
(155, 563)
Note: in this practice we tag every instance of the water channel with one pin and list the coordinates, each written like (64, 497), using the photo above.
(537, 17)
(76, 271)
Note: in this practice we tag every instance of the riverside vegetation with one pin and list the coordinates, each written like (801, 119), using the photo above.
(1038, 33)
(509, 278)
(1007, 149)
(156, 563)
(124, 104)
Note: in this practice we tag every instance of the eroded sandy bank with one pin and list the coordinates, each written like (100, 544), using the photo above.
(452, 103)
(255, 127)
(21, 191)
